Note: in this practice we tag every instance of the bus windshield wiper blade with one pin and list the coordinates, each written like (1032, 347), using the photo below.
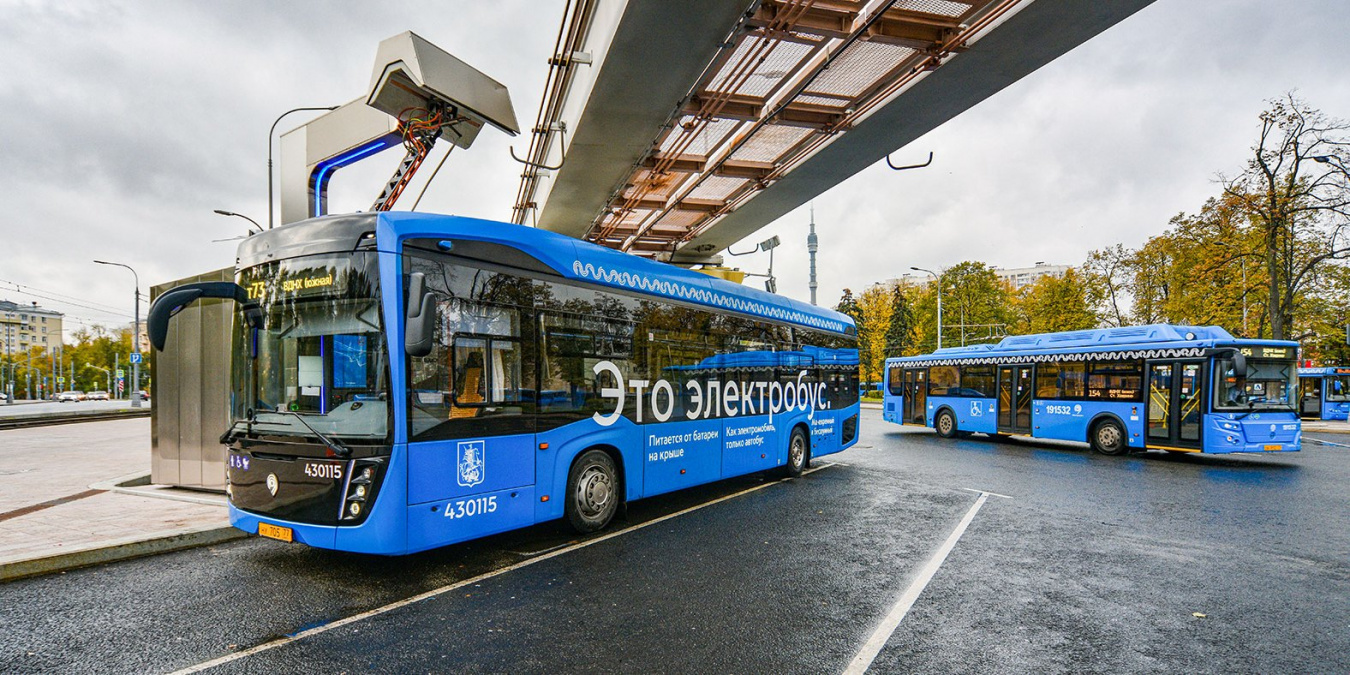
(332, 443)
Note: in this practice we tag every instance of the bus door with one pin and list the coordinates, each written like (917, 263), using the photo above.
(1014, 399)
(916, 396)
(1175, 398)
(1310, 397)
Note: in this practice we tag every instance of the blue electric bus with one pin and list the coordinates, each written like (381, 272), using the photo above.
(404, 381)
(1324, 393)
(1175, 388)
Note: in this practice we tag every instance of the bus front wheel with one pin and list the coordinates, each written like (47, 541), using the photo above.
(945, 424)
(592, 491)
(1108, 438)
(798, 450)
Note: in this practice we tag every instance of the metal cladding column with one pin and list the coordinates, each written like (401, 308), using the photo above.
(811, 246)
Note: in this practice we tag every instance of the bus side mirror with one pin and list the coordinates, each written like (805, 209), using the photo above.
(421, 327)
(175, 299)
(1239, 365)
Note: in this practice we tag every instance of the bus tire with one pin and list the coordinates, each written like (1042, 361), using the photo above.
(799, 453)
(945, 423)
(1108, 438)
(592, 491)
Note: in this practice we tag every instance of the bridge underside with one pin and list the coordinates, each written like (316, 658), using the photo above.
(700, 125)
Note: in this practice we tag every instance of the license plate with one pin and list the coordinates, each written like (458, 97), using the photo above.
(1276, 448)
(275, 532)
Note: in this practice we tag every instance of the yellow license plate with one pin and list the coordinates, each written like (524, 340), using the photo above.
(1277, 448)
(276, 532)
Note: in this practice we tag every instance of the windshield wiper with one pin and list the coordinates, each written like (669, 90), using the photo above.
(338, 448)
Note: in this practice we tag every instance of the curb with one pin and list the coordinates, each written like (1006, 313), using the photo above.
(1322, 427)
(125, 549)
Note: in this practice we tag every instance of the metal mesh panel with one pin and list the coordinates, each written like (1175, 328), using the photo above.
(717, 187)
(942, 7)
(770, 142)
(782, 59)
(859, 68)
(682, 219)
(822, 100)
(708, 138)
(662, 188)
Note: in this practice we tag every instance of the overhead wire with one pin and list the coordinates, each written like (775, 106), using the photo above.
(62, 297)
(120, 313)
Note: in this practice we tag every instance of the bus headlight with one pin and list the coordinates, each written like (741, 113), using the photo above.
(1231, 426)
(360, 489)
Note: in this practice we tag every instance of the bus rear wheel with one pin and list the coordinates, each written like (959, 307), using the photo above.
(1108, 438)
(798, 454)
(592, 491)
(945, 424)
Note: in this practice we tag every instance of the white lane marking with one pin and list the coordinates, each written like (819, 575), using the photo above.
(986, 492)
(886, 628)
(266, 646)
(1322, 442)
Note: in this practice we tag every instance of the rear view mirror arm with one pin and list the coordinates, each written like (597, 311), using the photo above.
(173, 301)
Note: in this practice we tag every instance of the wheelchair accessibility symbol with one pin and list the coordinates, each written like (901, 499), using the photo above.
(975, 409)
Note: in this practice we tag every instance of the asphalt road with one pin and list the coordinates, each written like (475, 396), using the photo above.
(1144, 563)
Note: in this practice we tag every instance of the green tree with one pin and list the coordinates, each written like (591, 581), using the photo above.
(900, 333)
(1054, 304)
(975, 304)
(875, 306)
(1106, 276)
(1296, 192)
(1327, 313)
(849, 305)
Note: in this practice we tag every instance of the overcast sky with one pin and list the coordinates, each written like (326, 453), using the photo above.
(125, 123)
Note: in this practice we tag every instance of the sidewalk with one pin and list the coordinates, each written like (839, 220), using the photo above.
(1326, 426)
(61, 505)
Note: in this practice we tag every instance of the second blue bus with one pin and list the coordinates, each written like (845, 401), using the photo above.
(1156, 387)
(1324, 393)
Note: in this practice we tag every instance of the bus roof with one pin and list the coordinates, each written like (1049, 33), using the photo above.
(1158, 340)
(1324, 371)
(583, 261)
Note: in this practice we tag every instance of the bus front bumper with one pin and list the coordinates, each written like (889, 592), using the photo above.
(1257, 433)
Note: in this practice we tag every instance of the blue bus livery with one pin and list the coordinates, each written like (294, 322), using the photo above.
(1175, 388)
(404, 381)
(1324, 393)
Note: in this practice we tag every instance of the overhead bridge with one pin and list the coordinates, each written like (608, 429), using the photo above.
(675, 129)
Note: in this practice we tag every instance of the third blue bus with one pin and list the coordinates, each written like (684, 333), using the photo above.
(1175, 388)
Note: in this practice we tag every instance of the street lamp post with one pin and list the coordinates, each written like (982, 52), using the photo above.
(240, 215)
(938, 278)
(135, 337)
(270, 133)
(107, 375)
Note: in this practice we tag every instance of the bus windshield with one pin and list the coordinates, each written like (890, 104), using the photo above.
(1270, 384)
(1338, 388)
(320, 353)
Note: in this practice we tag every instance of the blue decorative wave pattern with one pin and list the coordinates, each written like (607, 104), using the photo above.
(701, 296)
(1129, 354)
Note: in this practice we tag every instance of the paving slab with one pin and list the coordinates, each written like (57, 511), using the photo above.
(68, 498)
